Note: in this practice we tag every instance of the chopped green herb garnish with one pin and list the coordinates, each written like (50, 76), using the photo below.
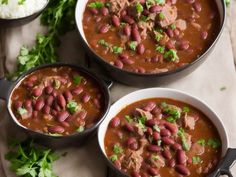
(114, 158)
(196, 160)
(117, 50)
(171, 55)
(170, 119)
(128, 118)
(160, 2)
(185, 145)
(77, 79)
(21, 111)
(213, 142)
(139, 8)
(155, 157)
(159, 143)
(133, 45)
(96, 5)
(73, 107)
(160, 49)
(57, 84)
(202, 142)
(103, 43)
(186, 109)
(158, 36)
(117, 149)
(173, 26)
(156, 128)
(108, 4)
(163, 104)
(80, 129)
(144, 18)
(149, 3)
(161, 15)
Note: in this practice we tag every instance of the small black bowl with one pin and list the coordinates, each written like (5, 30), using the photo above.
(144, 80)
(7, 88)
(14, 22)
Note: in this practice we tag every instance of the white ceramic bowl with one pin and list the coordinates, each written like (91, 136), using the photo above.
(164, 93)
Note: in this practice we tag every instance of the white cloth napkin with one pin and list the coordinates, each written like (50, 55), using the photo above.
(218, 71)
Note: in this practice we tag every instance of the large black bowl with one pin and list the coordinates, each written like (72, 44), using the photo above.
(137, 79)
(7, 87)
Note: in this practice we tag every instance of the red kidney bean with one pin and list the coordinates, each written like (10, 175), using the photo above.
(127, 30)
(170, 32)
(171, 127)
(104, 11)
(170, 45)
(156, 136)
(129, 127)
(61, 101)
(150, 123)
(141, 70)
(36, 92)
(197, 6)
(62, 116)
(167, 154)
(176, 147)
(33, 78)
(189, 161)
(78, 90)
(85, 98)
(140, 49)
(94, 11)
(104, 28)
(65, 124)
(28, 104)
(48, 90)
(82, 115)
(46, 109)
(181, 157)
(134, 146)
(115, 20)
(68, 96)
(190, 1)
(127, 61)
(28, 84)
(152, 171)
(54, 93)
(176, 32)
(56, 129)
(167, 141)
(146, 12)
(39, 104)
(156, 111)
(135, 35)
(204, 35)
(184, 45)
(165, 132)
(171, 163)
(130, 141)
(153, 148)
(135, 174)
(35, 114)
(54, 112)
(117, 164)
(97, 103)
(115, 122)
(149, 131)
(119, 64)
(154, 59)
(49, 100)
(123, 13)
(183, 170)
(155, 9)
(128, 19)
(149, 106)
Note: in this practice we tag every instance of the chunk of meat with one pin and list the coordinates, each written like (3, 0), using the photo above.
(133, 159)
(164, 40)
(143, 113)
(196, 149)
(145, 27)
(169, 14)
(181, 24)
(116, 6)
(189, 121)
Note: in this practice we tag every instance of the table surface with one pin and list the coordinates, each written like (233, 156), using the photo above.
(205, 83)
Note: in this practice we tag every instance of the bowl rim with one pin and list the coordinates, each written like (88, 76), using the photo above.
(191, 98)
(28, 16)
(162, 74)
(103, 86)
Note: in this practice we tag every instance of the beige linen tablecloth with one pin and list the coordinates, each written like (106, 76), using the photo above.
(217, 72)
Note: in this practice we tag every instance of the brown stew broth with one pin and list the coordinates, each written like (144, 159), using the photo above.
(118, 134)
(202, 28)
(48, 117)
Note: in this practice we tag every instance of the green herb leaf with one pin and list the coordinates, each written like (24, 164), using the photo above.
(196, 160)
(117, 50)
(161, 16)
(128, 118)
(173, 26)
(113, 158)
(227, 2)
(73, 107)
(202, 142)
(117, 149)
(158, 36)
(80, 129)
(22, 111)
(186, 109)
(77, 79)
(133, 45)
(170, 119)
(213, 142)
(56, 84)
(156, 128)
(185, 145)
(171, 55)
(4, 2)
(96, 5)
(103, 43)
(139, 8)
(160, 49)
(160, 2)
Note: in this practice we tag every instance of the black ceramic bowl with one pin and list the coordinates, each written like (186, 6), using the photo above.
(8, 87)
(228, 154)
(14, 22)
(137, 79)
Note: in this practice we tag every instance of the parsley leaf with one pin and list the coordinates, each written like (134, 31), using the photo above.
(96, 5)
(139, 8)
(213, 142)
(133, 45)
(202, 142)
(77, 79)
(128, 118)
(171, 55)
(80, 129)
(185, 145)
(196, 160)
(117, 149)
(186, 109)
(114, 158)
(21, 111)
(73, 107)
(117, 50)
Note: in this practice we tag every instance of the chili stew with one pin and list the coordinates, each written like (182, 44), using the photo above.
(57, 101)
(150, 36)
(162, 137)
